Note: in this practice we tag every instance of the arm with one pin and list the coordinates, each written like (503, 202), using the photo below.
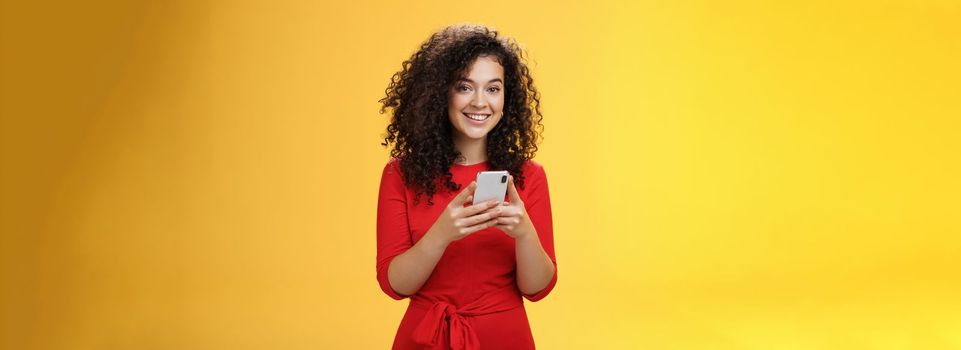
(393, 229)
(409, 270)
(535, 270)
(404, 267)
(529, 223)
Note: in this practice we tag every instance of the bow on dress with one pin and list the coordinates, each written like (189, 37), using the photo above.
(443, 315)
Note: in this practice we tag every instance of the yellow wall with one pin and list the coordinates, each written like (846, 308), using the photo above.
(724, 175)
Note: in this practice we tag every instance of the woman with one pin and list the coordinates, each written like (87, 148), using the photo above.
(465, 102)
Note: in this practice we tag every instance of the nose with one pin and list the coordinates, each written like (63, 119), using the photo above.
(479, 100)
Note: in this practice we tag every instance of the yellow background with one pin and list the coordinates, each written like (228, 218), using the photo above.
(724, 175)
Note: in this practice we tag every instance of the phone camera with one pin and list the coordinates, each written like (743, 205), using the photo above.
(504, 179)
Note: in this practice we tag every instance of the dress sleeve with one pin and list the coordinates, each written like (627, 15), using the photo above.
(393, 229)
(538, 205)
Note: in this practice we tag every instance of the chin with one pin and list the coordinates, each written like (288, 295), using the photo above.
(474, 134)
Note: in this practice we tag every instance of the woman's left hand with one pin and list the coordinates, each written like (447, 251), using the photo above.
(513, 218)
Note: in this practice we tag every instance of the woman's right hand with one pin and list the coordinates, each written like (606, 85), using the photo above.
(458, 221)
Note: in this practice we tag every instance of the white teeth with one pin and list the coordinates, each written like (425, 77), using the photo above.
(478, 117)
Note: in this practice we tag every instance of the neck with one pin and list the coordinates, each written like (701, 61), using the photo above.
(471, 151)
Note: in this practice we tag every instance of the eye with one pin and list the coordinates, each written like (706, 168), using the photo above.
(463, 88)
(494, 89)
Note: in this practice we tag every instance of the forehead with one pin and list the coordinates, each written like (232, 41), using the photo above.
(484, 68)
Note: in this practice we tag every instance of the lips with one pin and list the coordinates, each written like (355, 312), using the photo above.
(477, 117)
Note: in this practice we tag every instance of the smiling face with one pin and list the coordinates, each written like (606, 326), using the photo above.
(476, 102)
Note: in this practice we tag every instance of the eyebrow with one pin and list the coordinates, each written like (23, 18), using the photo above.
(491, 81)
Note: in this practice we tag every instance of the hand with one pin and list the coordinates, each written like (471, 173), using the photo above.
(513, 219)
(457, 221)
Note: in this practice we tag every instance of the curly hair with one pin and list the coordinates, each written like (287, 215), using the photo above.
(420, 131)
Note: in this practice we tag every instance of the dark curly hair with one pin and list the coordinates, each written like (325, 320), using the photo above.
(420, 130)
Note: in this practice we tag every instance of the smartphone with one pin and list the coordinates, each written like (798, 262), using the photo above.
(491, 185)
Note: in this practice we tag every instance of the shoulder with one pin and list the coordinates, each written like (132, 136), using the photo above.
(392, 169)
(534, 175)
(392, 166)
(532, 168)
(535, 182)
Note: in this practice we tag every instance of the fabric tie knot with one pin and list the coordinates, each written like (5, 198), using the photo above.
(444, 315)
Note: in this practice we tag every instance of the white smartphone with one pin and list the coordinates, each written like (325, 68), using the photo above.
(491, 185)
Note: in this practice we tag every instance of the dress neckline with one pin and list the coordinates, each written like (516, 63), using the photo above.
(470, 165)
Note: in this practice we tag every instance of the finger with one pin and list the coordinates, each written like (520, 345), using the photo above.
(511, 191)
(467, 192)
(482, 217)
(478, 227)
(508, 220)
(477, 208)
(498, 210)
(509, 211)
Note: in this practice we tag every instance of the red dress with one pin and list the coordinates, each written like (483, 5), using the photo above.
(471, 299)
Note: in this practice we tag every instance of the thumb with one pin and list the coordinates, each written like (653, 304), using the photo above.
(512, 191)
(467, 192)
